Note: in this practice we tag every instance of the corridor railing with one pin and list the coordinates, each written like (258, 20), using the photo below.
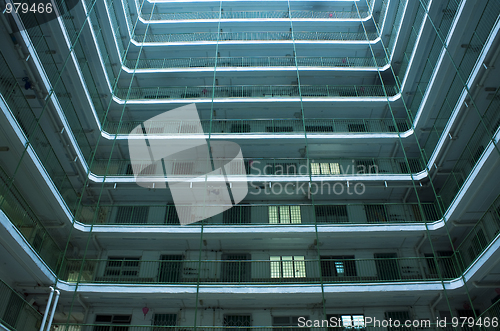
(265, 214)
(277, 270)
(257, 167)
(255, 36)
(256, 61)
(15, 312)
(282, 126)
(254, 91)
(268, 14)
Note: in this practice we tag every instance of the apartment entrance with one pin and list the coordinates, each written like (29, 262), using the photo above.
(387, 266)
(235, 268)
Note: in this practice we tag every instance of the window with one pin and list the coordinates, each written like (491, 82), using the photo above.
(164, 320)
(338, 266)
(284, 215)
(357, 127)
(400, 316)
(288, 267)
(183, 168)
(132, 215)
(279, 129)
(281, 169)
(122, 267)
(236, 268)
(288, 323)
(240, 128)
(375, 213)
(113, 322)
(331, 214)
(171, 268)
(237, 215)
(171, 216)
(332, 168)
(346, 322)
(366, 167)
(237, 321)
(414, 166)
(319, 128)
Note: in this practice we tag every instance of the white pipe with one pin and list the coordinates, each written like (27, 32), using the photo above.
(45, 314)
(51, 318)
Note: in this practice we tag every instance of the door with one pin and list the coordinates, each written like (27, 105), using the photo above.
(170, 269)
(387, 266)
(236, 268)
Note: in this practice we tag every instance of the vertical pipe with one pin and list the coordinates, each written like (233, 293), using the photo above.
(46, 313)
(51, 318)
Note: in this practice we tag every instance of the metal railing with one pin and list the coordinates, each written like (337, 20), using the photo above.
(267, 14)
(277, 270)
(480, 236)
(255, 91)
(255, 36)
(15, 313)
(265, 214)
(256, 61)
(294, 167)
(271, 126)
(25, 220)
(28, 123)
(122, 327)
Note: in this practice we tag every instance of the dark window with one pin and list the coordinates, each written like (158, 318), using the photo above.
(122, 267)
(387, 266)
(281, 169)
(237, 321)
(319, 128)
(338, 266)
(375, 213)
(401, 125)
(414, 166)
(171, 216)
(357, 127)
(401, 316)
(164, 320)
(279, 129)
(366, 167)
(114, 322)
(331, 214)
(132, 214)
(237, 215)
(240, 128)
(170, 270)
(235, 268)
(288, 323)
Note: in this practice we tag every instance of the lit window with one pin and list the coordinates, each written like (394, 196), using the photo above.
(325, 168)
(284, 214)
(288, 266)
(353, 321)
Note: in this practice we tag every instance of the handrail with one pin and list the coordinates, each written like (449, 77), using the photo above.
(19, 315)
